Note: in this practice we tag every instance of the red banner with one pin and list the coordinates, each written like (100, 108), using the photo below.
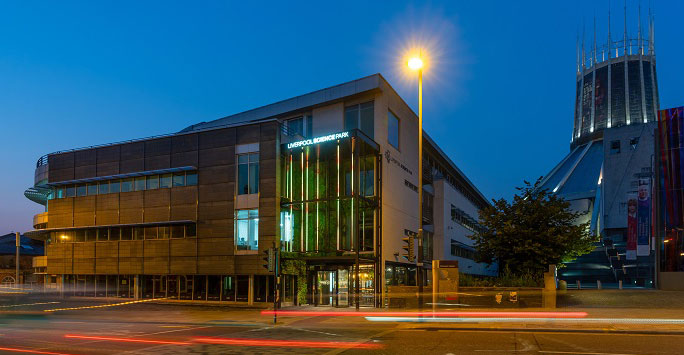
(631, 227)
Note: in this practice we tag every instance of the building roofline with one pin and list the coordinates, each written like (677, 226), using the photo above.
(297, 103)
(453, 166)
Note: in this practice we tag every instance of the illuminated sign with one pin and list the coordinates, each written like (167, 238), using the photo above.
(321, 139)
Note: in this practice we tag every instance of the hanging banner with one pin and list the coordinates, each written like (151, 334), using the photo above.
(631, 226)
(644, 217)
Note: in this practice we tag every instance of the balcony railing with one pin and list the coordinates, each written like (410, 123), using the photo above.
(39, 261)
(40, 220)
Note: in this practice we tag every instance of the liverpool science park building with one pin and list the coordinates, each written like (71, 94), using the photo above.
(328, 179)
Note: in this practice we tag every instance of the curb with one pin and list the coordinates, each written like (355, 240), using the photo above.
(553, 330)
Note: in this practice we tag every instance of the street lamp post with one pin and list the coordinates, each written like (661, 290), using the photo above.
(416, 63)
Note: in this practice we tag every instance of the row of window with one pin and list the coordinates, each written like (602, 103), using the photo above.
(150, 182)
(184, 287)
(461, 251)
(459, 216)
(246, 232)
(102, 234)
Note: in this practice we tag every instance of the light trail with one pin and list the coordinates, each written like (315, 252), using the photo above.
(31, 351)
(102, 305)
(534, 320)
(126, 340)
(427, 314)
(287, 343)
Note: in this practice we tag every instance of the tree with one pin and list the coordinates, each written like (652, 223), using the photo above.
(536, 230)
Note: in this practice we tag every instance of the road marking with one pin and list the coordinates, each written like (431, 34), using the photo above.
(126, 340)
(382, 333)
(102, 305)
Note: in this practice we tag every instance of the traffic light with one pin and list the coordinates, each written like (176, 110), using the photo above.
(408, 248)
(269, 259)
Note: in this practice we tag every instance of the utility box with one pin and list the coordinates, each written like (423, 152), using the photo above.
(444, 281)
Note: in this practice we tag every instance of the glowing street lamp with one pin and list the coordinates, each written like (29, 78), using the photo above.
(416, 64)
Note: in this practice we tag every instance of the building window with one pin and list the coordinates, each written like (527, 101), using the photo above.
(248, 173)
(360, 117)
(103, 188)
(462, 251)
(634, 142)
(191, 179)
(295, 126)
(165, 181)
(127, 185)
(153, 182)
(615, 147)
(247, 229)
(301, 126)
(392, 129)
(140, 183)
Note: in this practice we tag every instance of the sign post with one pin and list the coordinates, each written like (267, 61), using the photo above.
(18, 243)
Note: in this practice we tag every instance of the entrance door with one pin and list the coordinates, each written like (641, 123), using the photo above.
(325, 287)
(343, 288)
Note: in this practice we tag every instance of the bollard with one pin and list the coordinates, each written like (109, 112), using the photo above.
(620, 284)
(579, 286)
(598, 284)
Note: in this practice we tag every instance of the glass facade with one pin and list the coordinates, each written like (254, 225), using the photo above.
(587, 94)
(617, 87)
(601, 98)
(329, 196)
(648, 91)
(578, 110)
(633, 75)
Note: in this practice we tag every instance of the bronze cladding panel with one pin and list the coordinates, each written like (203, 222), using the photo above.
(60, 213)
(108, 209)
(84, 211)
(131, 207)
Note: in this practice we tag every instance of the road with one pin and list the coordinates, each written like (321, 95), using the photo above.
(82, 327)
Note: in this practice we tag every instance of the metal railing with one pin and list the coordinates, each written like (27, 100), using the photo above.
(42, 161)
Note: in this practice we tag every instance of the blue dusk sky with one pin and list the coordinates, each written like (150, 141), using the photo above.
(499, 91)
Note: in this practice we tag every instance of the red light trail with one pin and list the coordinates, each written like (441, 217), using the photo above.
(427, 314)
(286, 343)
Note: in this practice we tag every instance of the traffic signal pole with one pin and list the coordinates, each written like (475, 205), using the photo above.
(276, 282)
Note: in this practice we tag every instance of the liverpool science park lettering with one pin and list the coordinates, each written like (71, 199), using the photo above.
(322, 139)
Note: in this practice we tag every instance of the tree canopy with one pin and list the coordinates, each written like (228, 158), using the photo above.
(535, 230)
